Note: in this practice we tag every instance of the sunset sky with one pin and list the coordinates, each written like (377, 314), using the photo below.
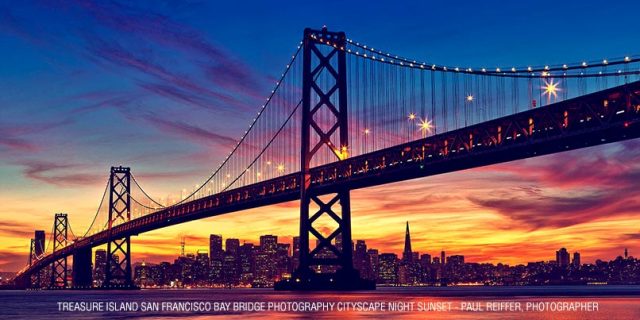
(166, 87)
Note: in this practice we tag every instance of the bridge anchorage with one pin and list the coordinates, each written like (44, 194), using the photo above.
(333, 249)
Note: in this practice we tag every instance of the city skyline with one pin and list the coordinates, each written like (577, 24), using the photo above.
(263, 264)
(69, 74)
(552, 256)
(230, 263)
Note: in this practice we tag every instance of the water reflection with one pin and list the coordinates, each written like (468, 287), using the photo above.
(406, 303)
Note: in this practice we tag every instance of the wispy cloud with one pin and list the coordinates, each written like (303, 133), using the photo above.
(189, 131)
(13, 136)
(59, 174)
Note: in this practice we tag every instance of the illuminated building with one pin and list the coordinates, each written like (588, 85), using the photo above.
(388, 270)
(562, 258)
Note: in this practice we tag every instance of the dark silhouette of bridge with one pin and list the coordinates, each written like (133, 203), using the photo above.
(402, 120)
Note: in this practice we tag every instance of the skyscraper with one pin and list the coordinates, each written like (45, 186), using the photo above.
(232, 246)
(269, 243)
(283, 260)
(562, 257)
(266, 261)
(425, 267)
(247, 263)
(215, 247)
(374, 262)
(407, 254)
(388, 272)
(576, 260)
(230, 274)
(361, 260)
(296, 252)
(99, 266)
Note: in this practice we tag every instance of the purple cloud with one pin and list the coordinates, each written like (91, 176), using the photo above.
(593, 180)
(189, 131)
(12, 136)
(58, 174)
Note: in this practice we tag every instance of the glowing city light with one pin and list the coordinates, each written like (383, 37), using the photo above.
(367, 131)
(412, 116)
(470, 98)
(280, 167)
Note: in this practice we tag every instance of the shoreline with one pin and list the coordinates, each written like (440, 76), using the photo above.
(462, 291)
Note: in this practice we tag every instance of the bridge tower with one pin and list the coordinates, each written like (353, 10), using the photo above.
(118, 266)
(323, 51)
(34, 279)
(37, 250)
(59, 266)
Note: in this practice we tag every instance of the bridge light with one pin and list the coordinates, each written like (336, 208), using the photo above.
(529, 69)
(551, 89)
(564, 66)
(470, 98)
(627, 59)
(412, 116)
(605, 61)
(425, 126)
(584, 64)
(268, 163)
(367, 131)
(280, 167)
(342, 153)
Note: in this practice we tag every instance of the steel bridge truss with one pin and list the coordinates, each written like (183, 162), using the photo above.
(60, 240)
(118, 266)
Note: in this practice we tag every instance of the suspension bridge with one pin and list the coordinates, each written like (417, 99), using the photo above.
(342, 116)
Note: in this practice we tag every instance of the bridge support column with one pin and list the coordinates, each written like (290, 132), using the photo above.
(118, 267)
(34, 279)
(59, 267)
(81, 271)
(323, 53)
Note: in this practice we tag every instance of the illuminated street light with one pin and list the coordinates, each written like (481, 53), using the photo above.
(470, 98)
(412, 116)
